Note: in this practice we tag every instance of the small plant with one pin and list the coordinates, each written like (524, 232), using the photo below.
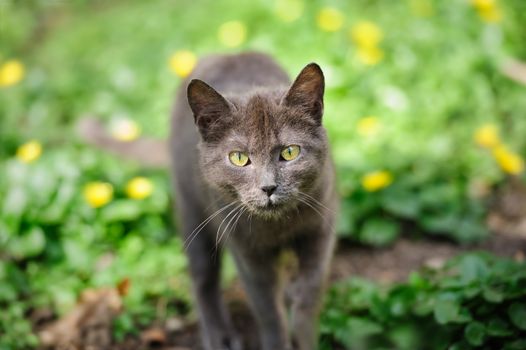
(477, 301)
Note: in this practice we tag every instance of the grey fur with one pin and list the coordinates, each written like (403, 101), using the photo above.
(275, 238)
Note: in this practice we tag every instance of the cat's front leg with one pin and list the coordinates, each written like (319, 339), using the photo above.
(306, 291)
(260, 278)
(216, 329)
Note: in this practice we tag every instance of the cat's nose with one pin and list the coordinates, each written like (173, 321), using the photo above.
(269, 189)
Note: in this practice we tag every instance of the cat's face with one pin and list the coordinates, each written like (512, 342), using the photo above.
(266, 150)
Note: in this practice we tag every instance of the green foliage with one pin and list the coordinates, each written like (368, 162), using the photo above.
(15, 329)
(438, 82)
(54, 244)
(475, 301)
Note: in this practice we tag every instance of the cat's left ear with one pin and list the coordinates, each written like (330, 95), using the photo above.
(307, 92)
(208, 107)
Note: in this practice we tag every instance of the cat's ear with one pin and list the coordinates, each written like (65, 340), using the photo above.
(207, 105)
(307, 92)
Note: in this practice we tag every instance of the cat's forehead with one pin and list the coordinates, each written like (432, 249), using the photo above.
(259, 122)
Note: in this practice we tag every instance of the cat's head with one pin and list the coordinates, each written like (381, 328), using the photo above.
(266, 149)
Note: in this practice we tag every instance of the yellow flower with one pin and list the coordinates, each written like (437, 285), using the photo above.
(183, 62)
(488, 10)
(422, 8)
(493, 15)
(289, 10)
(125, 129)
(366, 34)
(487, 136)
(232, 33)
(98, 194)
(483, 4)
(11, 73)
(29, 151)
(370, 55)
(330, 19)
(377, 180)
(368, 126)
(510, 162)
(139, 188)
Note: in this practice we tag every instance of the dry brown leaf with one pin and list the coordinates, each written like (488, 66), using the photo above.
(88, 325)
(154, 337)
(123, 287)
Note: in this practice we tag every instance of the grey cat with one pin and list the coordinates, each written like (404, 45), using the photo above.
(256, 176)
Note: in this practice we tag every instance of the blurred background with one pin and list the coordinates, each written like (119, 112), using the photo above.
(425, 109)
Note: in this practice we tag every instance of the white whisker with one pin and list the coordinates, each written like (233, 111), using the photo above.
(202, 225)
(314, 200)
(304, 201)
(233, 228)
(223, 221)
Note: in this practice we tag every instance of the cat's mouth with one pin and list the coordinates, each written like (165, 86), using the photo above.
(270, 207)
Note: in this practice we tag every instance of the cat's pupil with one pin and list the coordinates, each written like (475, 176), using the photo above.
(290, 151)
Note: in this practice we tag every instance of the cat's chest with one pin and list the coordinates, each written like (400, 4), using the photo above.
(258, 233)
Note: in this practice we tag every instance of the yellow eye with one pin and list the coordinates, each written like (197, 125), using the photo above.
(238, 158)
(290, 152)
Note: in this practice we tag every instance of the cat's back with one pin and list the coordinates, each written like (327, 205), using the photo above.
(239, 73)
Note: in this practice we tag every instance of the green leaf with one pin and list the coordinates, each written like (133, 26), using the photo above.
(415, 280)
(439, 223)
(28, 244)
(470, 230)
(77, 254)
(123, 325)
(361, 327)
(497, 327)
(446, 311)
(472, 268)
(438, 196)
(493, 295)
(15, 202)
(475, 333)
(345, 223)
(517, 314)
(424, 304)
(400, 203)
(379, 232)
(358, 330)
(121, 210)
(471, 291)
(405, 337)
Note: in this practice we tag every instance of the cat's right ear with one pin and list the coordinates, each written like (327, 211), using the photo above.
(307, 92)
(207, 105)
